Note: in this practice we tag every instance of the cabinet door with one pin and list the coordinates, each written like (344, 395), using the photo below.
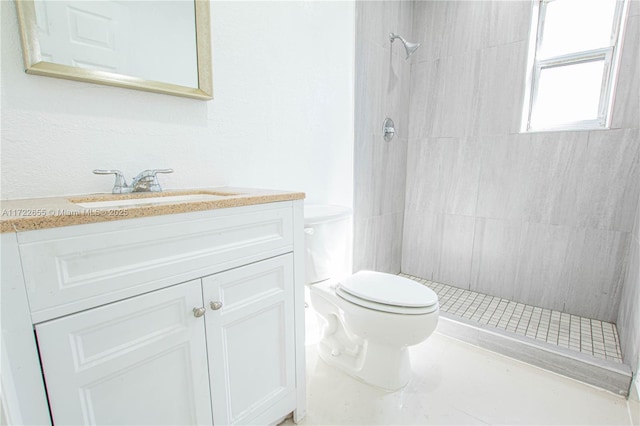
(250, 341)
(138, 361)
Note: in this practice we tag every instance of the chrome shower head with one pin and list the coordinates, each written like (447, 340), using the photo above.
(408, 46)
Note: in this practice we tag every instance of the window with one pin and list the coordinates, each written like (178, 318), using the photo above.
(573, 57)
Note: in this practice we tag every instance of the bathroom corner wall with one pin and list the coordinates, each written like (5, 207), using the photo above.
(542, 218)
(382, 82)
(629, 314)
(628, 320)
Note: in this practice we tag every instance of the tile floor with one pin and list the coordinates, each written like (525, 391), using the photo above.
(590, 336)
(456, 383)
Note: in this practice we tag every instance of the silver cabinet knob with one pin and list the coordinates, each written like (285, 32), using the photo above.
(198, 312)
(216, 305)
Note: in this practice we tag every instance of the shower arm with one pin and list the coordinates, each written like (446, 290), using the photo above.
(408, 46)
(393, 36)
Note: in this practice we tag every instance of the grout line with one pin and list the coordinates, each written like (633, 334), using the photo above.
(470, 304)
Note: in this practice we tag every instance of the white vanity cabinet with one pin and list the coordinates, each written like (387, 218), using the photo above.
(193, 318)
(142, 360)
(250, 341)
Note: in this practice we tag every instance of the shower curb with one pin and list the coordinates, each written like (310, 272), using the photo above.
(611, 376)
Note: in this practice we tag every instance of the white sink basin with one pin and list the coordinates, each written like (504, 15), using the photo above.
(147, 201)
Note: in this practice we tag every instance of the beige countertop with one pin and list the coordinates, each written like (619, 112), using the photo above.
(42, 213)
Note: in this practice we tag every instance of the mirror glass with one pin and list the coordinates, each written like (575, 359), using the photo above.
(155, 45)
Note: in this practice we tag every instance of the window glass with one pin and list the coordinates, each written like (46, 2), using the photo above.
(573, 61)
(576, 25)
(568, 93)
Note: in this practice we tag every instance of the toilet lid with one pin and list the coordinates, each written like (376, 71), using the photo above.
(383, 307)
(387, 289)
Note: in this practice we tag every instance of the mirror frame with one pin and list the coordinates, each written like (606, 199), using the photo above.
(35, 65)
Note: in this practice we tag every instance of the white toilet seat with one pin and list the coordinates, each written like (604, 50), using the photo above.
(388, 293)
(384, 307)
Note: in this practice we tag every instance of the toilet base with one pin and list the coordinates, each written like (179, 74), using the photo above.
(368, 344)
(387, 367)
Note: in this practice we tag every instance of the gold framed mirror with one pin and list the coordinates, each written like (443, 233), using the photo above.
(185, 71)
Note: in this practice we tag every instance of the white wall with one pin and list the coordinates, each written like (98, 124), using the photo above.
(282, 114)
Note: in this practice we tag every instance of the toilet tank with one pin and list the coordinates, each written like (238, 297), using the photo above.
(327, 238)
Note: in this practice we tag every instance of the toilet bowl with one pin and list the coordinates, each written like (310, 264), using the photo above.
(367, 319)
(367, 334)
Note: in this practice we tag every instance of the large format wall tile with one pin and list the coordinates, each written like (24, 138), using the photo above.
(584, 179)
(595, 260)
(420, 256)
(370, 20)
(399, 20)
(372, 74)
(375, 20)
(364, 244)
(506, 177)
(416, 177)
(626, 111)
(395, 89)
(456, 99)
(388, 244)
(390, 168)
(429, 167)
(429, 29)
(423, 105)
(453, 240)
(501, 88)
(443, 174)
(462, 177)
(368, 110)
(495, 256)
(477, 25)
(382, 90)
(628, 319)
(380, 243)
(610, 181)
(542, 273)
(571, 270)
(557, 161)
(508, 21)
(363, 173)
(467, 28)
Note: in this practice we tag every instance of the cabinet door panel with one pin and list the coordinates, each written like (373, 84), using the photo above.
(250, 341)
(138, 361)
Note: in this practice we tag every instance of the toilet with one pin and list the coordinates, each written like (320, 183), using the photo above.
(368, 319)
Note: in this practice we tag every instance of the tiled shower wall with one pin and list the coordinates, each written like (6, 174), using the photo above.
(544, 219)
(629, 315)
(382, 81)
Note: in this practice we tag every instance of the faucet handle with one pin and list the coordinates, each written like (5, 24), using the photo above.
(162, 170)
(107, 172)
(147, 181)
(120, 185)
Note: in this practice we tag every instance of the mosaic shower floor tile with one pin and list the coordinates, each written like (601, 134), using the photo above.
(586, 335)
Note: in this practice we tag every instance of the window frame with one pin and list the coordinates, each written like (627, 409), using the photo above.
(610, 55)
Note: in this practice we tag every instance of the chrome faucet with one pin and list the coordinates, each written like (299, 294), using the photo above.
(145, 181)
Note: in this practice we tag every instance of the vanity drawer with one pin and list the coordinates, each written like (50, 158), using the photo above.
(79, 267)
